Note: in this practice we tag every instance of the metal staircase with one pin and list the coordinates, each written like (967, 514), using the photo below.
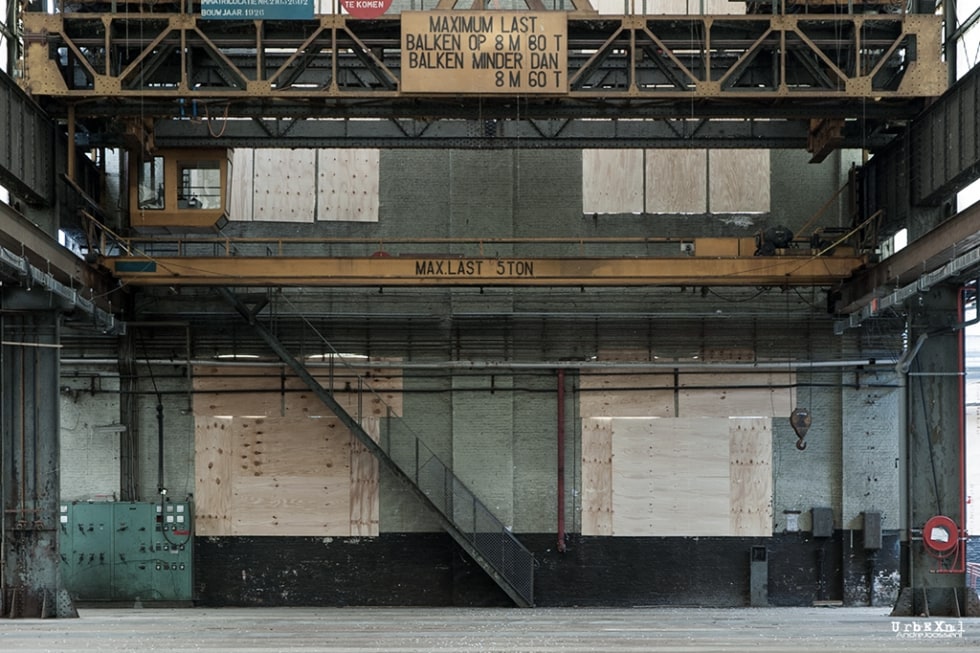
(460, 512)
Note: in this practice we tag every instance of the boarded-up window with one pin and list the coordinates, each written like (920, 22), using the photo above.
(612, 181)
(738, 181)
(270, 459)
(675, 181)
(644, 476)
(689, 454)
(347, 185)
(304, 185)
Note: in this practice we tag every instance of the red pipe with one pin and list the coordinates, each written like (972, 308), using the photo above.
(561, 460)
(961, 362)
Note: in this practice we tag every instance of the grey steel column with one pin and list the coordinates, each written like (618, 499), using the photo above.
(29, 412)
(935, 583)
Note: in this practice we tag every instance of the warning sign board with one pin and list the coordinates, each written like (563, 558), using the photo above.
(257, 9)
(484, 52)
(365, 8)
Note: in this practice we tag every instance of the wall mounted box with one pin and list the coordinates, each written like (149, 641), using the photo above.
(823, 522)
(759, 577)
(872, 530)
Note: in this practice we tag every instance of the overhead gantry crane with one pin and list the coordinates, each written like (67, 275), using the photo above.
(138, 74)
(146, 75)
(169, 262)
(168, 75)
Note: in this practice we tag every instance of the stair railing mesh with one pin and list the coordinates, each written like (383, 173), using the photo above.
(503, 556)
(487, 534)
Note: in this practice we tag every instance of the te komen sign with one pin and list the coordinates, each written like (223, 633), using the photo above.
(484, 52)
(365, 8)
(285, 9)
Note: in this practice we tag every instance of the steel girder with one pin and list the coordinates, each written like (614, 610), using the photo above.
(941, 163)
(204, 73)
(382, 271)
(503, 134)
(937, 156)
(957, 236)
(26, 145)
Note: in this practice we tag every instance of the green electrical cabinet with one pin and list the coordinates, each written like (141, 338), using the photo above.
(122, 551)
(173, 554)
(86, 549)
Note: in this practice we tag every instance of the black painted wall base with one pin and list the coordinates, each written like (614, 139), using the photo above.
(428, 569)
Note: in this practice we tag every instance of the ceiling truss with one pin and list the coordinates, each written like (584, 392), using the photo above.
(640, 80)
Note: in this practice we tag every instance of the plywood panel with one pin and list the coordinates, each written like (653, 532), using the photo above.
(597, 476)
(376, 404)
(633, 477)
(284, 186)
(286, 466)
(364, 483)
(753, 394)
(291, 477)
(240, 190)
(255, 404)
(751, 476)
(347, 185)
(217, 378)
(229, 391)
(676, 181)
(291, 505)
(670, 477)
(738, 181)
(684, 477)
(291, 446)
(379, 394)
(239, 391)
(618, 393)
(612, 181)
(213, 446)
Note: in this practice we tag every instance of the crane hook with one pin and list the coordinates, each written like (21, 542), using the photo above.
(800, 419)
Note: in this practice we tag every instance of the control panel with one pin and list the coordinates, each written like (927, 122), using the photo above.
(122, 551)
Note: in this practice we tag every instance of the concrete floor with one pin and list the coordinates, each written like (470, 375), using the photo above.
(405, 630)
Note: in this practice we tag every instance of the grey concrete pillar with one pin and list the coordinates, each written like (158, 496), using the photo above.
(30, 485)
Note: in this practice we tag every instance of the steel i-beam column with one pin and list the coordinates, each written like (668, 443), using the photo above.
(30, 485)
(933, 574)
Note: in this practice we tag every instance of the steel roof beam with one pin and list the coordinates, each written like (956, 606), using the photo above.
(958, 235)
(498, 134)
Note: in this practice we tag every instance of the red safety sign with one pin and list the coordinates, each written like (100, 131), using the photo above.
(365, 8)
(940, 534)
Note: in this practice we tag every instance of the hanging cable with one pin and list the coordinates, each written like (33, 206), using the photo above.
(928, 439)
(161, 489)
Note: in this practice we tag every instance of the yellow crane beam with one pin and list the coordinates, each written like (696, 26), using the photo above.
(787, 270)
